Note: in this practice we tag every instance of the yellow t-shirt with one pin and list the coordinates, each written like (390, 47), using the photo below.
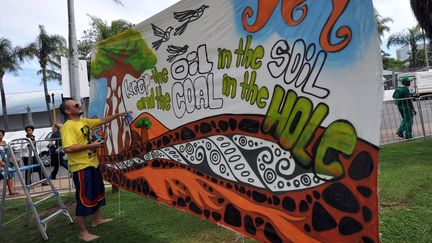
(79, 133)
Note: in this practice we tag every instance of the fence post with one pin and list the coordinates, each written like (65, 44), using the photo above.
(421, 116)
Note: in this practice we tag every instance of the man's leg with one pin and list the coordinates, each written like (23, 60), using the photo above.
(81, 210)
(101, 190)
(84, 234)
(97, 220)
(401, 129)
(10, 187)
(408, 128)
(55, 163)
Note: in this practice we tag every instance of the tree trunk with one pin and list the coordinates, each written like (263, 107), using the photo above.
(414, 56)
(144, 135)
(3, 100)
(44, 81)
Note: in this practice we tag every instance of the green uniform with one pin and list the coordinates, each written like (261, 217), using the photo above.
(406, 109)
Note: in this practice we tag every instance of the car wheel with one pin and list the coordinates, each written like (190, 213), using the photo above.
(45, 157)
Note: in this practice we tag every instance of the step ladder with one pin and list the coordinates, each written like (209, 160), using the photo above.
(30, 203)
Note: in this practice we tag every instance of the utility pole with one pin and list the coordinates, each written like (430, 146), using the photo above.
(29, 116)
(54, 109)
(73, 55)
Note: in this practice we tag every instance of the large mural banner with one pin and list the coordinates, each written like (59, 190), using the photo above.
(258, 115)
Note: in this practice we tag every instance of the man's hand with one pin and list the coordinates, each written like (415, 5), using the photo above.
(110, 118)
(124, 113)
(98, 144)
(1, 163)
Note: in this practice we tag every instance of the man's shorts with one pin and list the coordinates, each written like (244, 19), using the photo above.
(90, 191)
(2, 172)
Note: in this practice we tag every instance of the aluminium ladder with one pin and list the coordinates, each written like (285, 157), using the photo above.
(41, 223)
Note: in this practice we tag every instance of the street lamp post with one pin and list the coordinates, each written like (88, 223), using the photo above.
(54, 110)
(73, 55)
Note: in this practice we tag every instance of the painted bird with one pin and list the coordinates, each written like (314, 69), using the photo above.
(164, 35)
(187, 17)
(176, 51)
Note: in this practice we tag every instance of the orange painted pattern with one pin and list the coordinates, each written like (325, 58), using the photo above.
(191, 184)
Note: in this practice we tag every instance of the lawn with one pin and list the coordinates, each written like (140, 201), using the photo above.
(405, 199)
(405, 190)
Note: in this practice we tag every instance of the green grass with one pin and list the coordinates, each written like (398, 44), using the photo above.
(405, 189)
(140, 220)
(405, 183)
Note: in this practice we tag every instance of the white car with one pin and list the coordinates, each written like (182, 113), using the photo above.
(42, 136)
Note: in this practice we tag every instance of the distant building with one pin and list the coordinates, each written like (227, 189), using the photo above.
(17, 112)
(402, 53)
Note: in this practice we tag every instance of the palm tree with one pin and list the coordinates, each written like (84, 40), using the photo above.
(408, 38)
(105, 30)
(382, 24)
(47, 49)
(10, 59)
(423, 11)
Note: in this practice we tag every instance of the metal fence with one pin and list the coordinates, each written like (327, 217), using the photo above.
(391, 119)
(62, 182)
(49, 157)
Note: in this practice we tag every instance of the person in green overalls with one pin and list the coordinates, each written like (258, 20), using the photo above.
(403, 100)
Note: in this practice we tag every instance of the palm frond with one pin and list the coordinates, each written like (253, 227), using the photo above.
(29, 51)
(55, 63)
(9, 61)
(423, 11)
(118, 2)
(398, 40)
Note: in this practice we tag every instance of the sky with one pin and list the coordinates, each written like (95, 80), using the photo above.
(19, 20)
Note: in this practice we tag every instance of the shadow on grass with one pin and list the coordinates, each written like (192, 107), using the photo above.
(140, 220)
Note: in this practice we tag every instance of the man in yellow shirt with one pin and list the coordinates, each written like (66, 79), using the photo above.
(76, 135)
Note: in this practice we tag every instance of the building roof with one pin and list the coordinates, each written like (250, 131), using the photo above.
(16, 103)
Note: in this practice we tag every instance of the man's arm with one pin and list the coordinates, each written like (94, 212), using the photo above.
(110, 118)
(78, 148)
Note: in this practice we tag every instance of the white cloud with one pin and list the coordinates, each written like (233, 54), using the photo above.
(20, 24)
(402, 15)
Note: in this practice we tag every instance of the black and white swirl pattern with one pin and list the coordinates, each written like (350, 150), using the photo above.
(272, 167)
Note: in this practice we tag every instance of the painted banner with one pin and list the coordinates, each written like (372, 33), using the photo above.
(260, 115)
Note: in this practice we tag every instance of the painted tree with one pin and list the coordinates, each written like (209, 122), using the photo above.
(125, 53)
(99, 30)
(10, 59)
(144, 124)
(410, 38)
(47, 49)
(423, 11)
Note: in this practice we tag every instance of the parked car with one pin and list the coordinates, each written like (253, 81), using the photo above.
(42, 136)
